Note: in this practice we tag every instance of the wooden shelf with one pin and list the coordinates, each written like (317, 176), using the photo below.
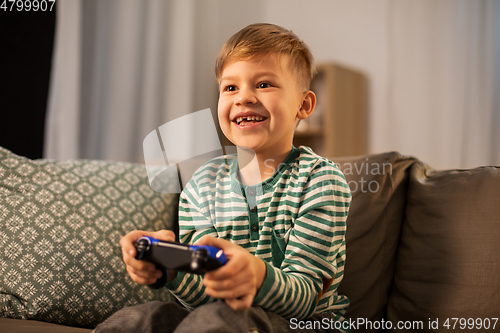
(337, 126)
(309, 132)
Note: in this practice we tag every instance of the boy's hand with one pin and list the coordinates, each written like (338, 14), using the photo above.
(239, 280)
(141, 271)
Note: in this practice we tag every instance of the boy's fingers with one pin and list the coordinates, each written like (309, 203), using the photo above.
(140, 279)
(231, 270)
(141, 271)
(241, 303)
(133, 236)
(234, 291)
(215, 242)
(165, 235)
(146, 274)
(138, 265)
(128, 241)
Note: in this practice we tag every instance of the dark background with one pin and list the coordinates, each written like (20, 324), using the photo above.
(26, 44)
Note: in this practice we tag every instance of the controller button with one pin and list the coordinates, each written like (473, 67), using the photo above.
(195, 265)
(201, 252)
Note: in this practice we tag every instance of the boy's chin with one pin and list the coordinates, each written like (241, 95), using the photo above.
(250, 142)
(247, 147)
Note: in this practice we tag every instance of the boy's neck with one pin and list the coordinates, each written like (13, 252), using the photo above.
(255, 168)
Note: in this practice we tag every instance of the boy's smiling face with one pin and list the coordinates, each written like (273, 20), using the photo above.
(260, 103)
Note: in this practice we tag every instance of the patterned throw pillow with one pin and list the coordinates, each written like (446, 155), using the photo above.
(60, 226)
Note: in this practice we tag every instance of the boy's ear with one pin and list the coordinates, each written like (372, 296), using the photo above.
(308, 104)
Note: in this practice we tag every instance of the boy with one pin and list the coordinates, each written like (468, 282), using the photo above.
(281, 219)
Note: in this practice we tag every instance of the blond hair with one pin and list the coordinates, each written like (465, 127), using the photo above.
(263, 39)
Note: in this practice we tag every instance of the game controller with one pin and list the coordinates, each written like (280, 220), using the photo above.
(179, 257)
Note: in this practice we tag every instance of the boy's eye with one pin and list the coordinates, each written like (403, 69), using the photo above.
(263, 85)
(230, 88)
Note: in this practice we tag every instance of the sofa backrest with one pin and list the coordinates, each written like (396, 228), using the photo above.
(447, 273)
(378, 185)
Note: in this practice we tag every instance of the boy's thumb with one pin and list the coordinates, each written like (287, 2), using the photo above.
(165, 235)
(213, 241)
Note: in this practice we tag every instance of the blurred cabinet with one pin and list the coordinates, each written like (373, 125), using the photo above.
(338, 125)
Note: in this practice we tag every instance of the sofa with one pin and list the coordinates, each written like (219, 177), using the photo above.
(422, 245)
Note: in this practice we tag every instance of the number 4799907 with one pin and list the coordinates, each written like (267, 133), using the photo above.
(27, 5)
(471, 323)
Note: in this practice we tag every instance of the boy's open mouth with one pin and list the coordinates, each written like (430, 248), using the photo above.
(248, 120)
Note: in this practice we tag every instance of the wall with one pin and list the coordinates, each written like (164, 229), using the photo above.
(351, 33)
(432, 67)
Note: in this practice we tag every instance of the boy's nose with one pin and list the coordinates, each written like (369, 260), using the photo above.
(245, 97)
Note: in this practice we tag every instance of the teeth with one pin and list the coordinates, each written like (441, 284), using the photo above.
(250, 118)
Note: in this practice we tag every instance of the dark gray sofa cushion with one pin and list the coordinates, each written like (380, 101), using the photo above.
(378, 184)
(60, 226)
(448, 264)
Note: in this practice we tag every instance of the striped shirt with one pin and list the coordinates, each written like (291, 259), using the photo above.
(295, 221)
